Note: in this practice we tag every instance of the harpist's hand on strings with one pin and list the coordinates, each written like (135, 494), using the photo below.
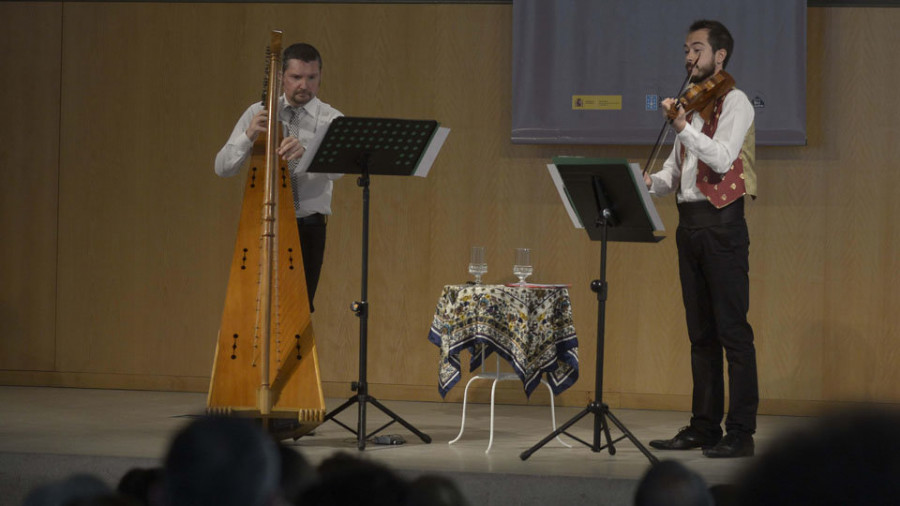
(290, 148)
(258, 125)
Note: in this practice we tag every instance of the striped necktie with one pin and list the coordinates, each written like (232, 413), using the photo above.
(294, 131)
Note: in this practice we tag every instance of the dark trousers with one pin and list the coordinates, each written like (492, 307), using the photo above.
(713, 258)
(312, 243)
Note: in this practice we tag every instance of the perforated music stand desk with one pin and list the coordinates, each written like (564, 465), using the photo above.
(609, 199)
(373, 146)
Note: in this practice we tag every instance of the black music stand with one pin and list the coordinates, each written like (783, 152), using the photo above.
(369, 146)
(608, 199)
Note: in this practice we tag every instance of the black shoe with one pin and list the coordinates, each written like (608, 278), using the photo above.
(686, 439)
(732, 445)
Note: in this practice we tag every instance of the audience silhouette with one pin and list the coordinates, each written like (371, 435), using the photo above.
(845, 458)
(345, 480)
(219, 461)
(670, 483)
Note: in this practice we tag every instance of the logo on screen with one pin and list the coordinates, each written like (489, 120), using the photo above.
(758, 102)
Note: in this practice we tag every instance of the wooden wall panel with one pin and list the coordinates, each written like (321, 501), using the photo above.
(29, 153)
(149, 92)
(143, 269)
(861, 305)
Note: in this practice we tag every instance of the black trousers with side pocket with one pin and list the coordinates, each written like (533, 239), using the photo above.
(713, 257)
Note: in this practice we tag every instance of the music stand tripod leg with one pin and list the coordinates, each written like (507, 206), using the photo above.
(560, 430)
(630, 436)
(597, 407)
(361, 309)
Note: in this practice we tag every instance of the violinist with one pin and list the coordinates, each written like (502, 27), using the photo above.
(710, 171)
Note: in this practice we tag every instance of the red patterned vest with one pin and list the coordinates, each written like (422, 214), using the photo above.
(719, 189)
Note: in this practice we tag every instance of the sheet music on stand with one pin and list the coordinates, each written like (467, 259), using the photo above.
(632, 221)
(377, 135)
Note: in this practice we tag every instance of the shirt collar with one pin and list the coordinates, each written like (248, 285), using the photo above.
(286, 108)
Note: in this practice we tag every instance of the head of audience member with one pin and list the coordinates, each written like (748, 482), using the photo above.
(670, 483)
(219, 461)
(142, 485)
(844, 458)
(105, 500)
(725, 494)
(297, 475)
(68, 490)
(434, 490)
(345, 480)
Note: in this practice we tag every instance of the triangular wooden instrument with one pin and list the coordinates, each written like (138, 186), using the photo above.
(266, 365)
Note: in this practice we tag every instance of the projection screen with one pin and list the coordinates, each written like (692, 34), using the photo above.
(594, 71)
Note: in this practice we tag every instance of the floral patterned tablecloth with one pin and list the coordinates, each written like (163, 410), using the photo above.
(530, 327)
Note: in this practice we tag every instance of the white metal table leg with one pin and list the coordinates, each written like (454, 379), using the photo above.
(493, 393)
(462, 426)
(498, 377)
(553, 414)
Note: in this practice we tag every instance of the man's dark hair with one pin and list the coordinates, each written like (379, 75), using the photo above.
(297, 474)
(347, 480)
(434, 490)
(69, 490)
(670, 483)
(719, 37)
(850, 457)
(140, 484)
(221, 462)
(300, 51)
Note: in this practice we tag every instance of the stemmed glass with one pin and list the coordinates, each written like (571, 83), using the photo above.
(522, 268)
(477, 264)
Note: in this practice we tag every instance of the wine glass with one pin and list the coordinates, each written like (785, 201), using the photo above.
(522, 268)
(477, 265)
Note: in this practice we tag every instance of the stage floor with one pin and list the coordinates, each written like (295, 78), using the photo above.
(46, 433)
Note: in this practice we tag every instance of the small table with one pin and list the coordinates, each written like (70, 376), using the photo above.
(530, 326)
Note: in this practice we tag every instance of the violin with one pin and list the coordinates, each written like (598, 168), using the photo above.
(702, 96)
(696, 97)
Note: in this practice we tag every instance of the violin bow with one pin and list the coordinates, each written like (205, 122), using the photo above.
(667, 122)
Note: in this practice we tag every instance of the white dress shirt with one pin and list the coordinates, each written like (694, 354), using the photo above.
(718, 151)
(314, 189)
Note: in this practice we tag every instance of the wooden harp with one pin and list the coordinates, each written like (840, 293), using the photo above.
(265, 364)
